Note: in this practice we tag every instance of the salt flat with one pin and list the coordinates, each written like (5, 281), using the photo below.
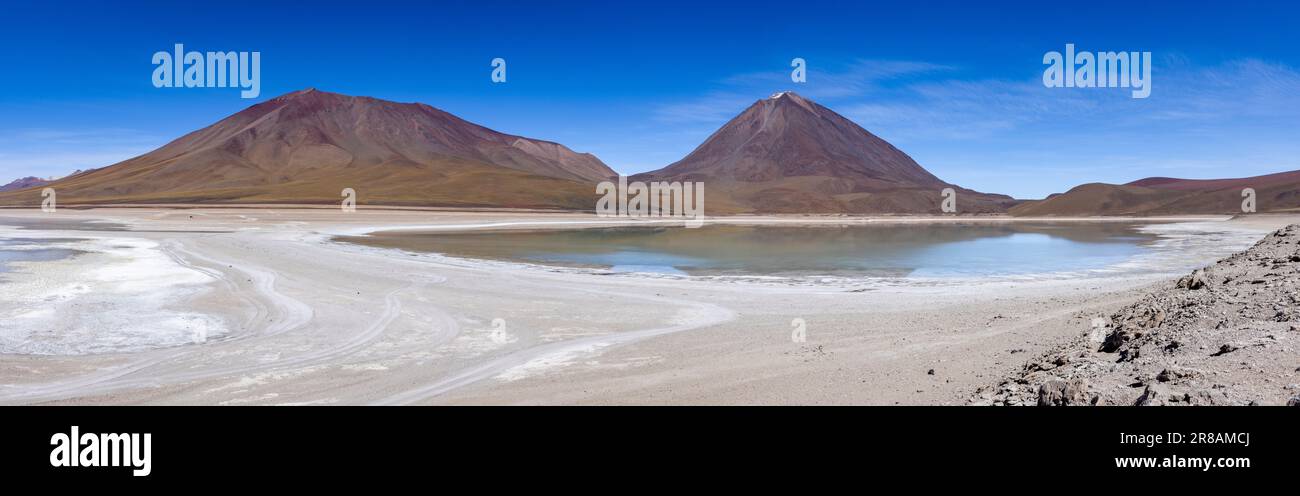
(258, 305)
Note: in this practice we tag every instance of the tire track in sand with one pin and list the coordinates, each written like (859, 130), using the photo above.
(708, 315)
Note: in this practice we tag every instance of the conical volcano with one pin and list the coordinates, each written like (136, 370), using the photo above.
(787, 154)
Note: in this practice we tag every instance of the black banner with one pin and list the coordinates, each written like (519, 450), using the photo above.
(325, 445)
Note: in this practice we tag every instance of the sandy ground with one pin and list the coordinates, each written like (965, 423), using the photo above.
(256, 305)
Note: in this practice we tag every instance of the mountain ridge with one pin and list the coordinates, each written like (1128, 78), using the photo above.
(788, 154)
(306, 146)
(24, 183)
(1277, 192)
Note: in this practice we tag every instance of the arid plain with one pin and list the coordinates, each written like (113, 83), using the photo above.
(262, 305)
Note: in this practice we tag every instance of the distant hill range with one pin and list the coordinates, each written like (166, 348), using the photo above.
(24, 183)
(787, 154)
(783, 154)
(307, 146)
(1169, 196)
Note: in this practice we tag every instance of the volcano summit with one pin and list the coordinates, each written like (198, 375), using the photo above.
(787, 154)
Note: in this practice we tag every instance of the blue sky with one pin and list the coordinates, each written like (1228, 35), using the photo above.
(954, 84)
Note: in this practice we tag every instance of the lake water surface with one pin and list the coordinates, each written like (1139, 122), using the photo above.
(16, 246)
(11, 251)
(874, 250)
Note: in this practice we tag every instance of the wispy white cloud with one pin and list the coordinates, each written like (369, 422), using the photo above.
(1235, 95)
(856, 79)
(737, 92)
(717, 106)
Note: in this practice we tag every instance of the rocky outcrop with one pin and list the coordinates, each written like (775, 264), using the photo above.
(1227, 334)
(1064, 393)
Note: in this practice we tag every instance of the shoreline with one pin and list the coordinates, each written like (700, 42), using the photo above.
(318, 324)
(1142, 265)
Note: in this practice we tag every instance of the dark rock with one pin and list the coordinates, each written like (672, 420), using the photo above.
(1206, 397)
(1225, 349)
(1114, 340)
(1152, 396)
(1185, 399)
(1174, 374)
(1061, 393)
(1196, 280)
(1129, 354)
